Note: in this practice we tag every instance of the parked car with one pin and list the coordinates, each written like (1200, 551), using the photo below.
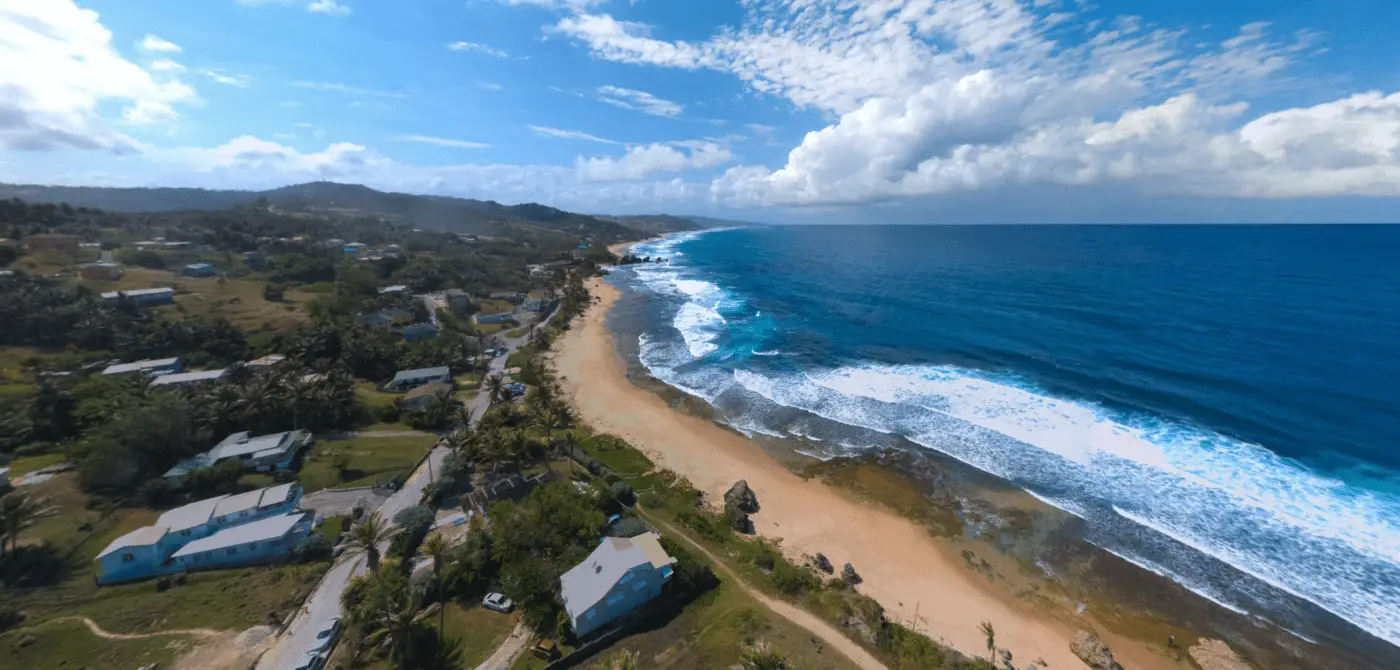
(498, 602)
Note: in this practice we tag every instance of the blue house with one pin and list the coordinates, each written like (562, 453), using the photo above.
(416, 332)
(482, 319)
(266, 453)
(198, 270)
(152, 550)
(621, 574)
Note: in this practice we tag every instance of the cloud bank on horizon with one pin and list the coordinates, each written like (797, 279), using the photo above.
(847, 108)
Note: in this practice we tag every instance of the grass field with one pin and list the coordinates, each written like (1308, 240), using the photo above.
(478, 631)
(240, 300)
(28, 464)
(69, 644)
(373, 460)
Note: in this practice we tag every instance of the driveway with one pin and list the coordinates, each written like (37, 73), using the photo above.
(340, 502)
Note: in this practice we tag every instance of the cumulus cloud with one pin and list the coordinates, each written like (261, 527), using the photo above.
(328, 7)
(157, 45)
(545, 131)
(480, 48)
(640, 101)
(71, 72)
(337, 87)
(642, 161)
(939, 96)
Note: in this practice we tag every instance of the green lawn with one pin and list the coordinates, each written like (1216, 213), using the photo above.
(478, 630)
(373, 460)
(69, 644)
(619, 457)
(330, 528)
(28, 464)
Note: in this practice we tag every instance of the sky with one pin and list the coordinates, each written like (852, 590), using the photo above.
(857, 111)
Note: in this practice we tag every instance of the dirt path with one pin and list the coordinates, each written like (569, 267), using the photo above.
(99, 632)
(505, 654)
(808, 621)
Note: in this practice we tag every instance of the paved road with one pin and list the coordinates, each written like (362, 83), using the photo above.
(324, 603)
(340, 502)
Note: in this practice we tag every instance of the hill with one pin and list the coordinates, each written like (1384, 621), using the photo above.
(331, 201)
(654, 224)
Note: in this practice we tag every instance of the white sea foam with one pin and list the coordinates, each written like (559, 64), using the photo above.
(1319, 539)
(700, 326)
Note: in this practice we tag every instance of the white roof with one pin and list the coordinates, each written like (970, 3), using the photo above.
(240, 444)
(270, 359)
(141, 291)
(397, 288)
(187, 377)
(270, 528)
(588, 582)
(144, 536)
(423, 373)
(188, 516)
(137, 366)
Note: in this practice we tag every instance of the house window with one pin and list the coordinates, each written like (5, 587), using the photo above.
(639, 585)
(616, 598)
(127, 558)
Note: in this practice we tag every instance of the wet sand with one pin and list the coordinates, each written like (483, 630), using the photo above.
(906, 569)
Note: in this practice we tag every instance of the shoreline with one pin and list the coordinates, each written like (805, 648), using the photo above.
(909, 571)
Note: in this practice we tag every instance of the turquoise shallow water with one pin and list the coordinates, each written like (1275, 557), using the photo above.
(1220, 404)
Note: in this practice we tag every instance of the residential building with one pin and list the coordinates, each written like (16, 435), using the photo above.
(255, 259)
(384, 318)
(483, 319)
(620, 575)
(185, 378)
(150, 551)
(266, 361)
(513, 297)
(396, 289)
(266, 541)
(353, 247)
(100, 271)
(409, 379)
(266, 453)
(67, 244)
(417, 332)
(538, 304)
(198, 270)
(459, 301)
(145, 297)
(158, 366)
(420, 397)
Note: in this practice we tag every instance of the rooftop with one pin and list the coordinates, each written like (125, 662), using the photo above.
(137, 366)
(421, 373)
(111, 295)
(397, 288)
(144, 536)
(270, 528)
(187, 377)
(253, 500)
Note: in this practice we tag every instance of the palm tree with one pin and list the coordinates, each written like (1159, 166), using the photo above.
(437, 548)
(991, 634)
(397, 620)
(19, 511)
(366, 537)
(496, 386)
(570, 442)
(762, 656)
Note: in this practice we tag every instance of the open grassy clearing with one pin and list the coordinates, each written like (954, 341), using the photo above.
(371, 461)
(239, 299)
(28, 464)
(478, 631)
(69, 644)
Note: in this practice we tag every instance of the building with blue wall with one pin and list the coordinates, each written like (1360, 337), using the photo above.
(620, 575)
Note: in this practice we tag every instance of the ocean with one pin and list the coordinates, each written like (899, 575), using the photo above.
(1219, 404)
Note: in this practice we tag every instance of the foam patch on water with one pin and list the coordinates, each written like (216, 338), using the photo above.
(1319, 539)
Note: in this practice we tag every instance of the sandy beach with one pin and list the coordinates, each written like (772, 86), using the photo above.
(903, 567)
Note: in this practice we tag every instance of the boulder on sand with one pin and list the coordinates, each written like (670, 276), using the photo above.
(1216, 655)
(848, 575)
(1093, 652)
(823, 563)
(741, 496)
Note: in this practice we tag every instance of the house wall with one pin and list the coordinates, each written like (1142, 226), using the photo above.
(249, 553)
(144, 562)
(639, 585)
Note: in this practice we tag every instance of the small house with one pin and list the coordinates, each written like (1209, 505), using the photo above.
(512, 297)
(483, 319)
(621, 574)
(422, 396)
(459, 301)
(410, 379)
(266, 361)
(100, 271)
(146, 297)
(158, 366)
(187, 378)
(537, 304)
(266, 453)
(67, 244)
(198, 270)
(418, 332)
(397, 289)
(255, 259)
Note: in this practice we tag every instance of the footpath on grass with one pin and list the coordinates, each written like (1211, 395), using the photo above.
(793, 613)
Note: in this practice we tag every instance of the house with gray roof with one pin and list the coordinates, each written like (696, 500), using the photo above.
(621, 574)
(150, 551)
(408, 379)
(145, 297)
(265, 453)
(155, 366)
(187, 378)
(263, 541)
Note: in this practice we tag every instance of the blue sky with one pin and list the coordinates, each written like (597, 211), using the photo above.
(783, 110)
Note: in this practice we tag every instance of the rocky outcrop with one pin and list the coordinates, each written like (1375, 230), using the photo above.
(849, 575)
(741, 496)
(1093, 652)
(821, 562)
(1216, 655)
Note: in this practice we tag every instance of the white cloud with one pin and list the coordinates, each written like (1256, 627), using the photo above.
(442, 142)
(941, 96)
(480, 48)
(641, 161)
(328, 7)
(546, 131)
(70, 73)
(230, 79)
(554, 4)
(345, 88)
(165, 65)
(155, 44)
(641, 101)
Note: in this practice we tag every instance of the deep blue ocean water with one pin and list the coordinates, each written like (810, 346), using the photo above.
(1221, 404)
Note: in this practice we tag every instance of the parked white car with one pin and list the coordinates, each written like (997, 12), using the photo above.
(498, 602)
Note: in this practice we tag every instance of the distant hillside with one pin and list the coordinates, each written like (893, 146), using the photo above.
(331, 200)
(654, 224)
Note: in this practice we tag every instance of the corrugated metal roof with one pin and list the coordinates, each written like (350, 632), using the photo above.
(137, 366)
(423, 373)
(588, 582)
(189, 516)
(138, 292)
(187, 377)
(144, 536)
(262, 530)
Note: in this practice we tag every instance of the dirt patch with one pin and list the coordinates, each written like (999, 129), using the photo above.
(228, 650)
